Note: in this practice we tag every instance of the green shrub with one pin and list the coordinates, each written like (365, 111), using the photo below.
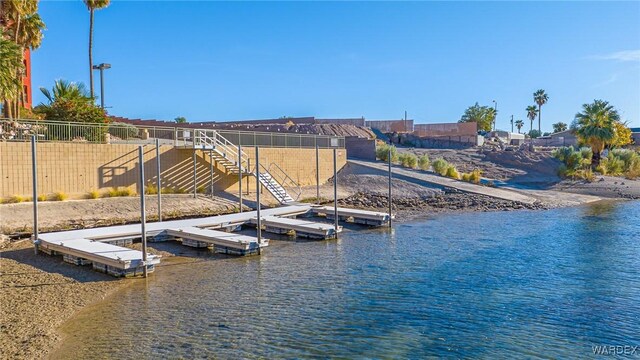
(408, 160)
(382, 152)
(452, 172)
(123, 131)
(59, 196)
(423, 162)
(440, 166)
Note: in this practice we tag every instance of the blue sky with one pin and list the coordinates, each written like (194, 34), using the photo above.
(241, 60)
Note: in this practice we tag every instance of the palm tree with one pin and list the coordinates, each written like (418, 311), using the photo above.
(10, 64)
(596, 126)
(532, 111)
(65, 90)
(519, 125)
(541, 98)
(559, 127)
(93, 5)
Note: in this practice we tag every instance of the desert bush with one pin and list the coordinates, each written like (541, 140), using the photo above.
(440, 166)
(151, 189)
(119, 192)
(382, 152)
(201, 189)
(59, 196)
(408, 160)
(42, 197)
(472, 177)
(167, 190)
(15, 199)
(452, 172)
(423, 162)
(93, 194)
(575, 163)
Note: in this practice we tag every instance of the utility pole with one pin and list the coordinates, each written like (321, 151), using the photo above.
(101, 67)
(495, 111)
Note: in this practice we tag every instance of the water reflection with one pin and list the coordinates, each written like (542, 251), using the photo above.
(503, 285)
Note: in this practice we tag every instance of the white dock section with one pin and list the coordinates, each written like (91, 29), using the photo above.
(303, 228)
(223, 242)
(358, 216)
(108, 258)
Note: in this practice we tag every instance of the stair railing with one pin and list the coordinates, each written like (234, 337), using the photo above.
(285, 180)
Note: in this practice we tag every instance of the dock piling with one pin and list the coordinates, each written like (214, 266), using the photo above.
(240, 175)
(259, 220)
(143, 216)
(195, 175)
(335, 190)
(34, 173)
(159, 180)
(389, 159)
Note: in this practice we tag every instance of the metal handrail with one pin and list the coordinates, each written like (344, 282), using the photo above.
(296, 189)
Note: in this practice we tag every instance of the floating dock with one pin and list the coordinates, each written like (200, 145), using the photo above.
(222, 242)
(302, 228)
(103, 247)
(357, 216)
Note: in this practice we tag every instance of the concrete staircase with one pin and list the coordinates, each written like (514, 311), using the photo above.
(226, 154)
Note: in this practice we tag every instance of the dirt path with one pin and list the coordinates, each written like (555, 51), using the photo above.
(451, 183)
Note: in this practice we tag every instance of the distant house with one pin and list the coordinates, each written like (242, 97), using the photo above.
(635, 135)
(562, 138)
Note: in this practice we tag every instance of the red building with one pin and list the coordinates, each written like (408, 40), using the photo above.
(26, 100)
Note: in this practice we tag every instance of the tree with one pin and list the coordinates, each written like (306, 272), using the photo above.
(93, 5)
(10, 65)
(534, 134)
(622, 135)
(24, 26)
(482, 115)
(541, 98)
(180, 120)
(559, 127)
(596, 127)
(532, 111)
(519, 125)
(69, 101)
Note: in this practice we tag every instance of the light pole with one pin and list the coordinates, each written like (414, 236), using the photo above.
(511, 123)
(102, 67)
(495, 111)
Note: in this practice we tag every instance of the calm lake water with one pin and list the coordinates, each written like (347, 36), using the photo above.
(544, 284)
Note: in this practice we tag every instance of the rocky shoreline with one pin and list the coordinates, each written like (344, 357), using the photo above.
(447, 202)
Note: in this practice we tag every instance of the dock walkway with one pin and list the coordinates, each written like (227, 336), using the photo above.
(302, 228)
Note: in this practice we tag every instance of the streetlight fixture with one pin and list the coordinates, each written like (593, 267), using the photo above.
(495, 109)
(102, 67)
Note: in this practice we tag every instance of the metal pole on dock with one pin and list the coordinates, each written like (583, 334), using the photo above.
(195, 176)
(317, 175)
(143, 211)
(389, 159)
(335, 190)
(259, 223)
(159, 180)
(34, 174)
(249, 168)
(240, 175)
(211, 172)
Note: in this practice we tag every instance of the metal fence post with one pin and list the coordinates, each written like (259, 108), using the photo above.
(159, 180)
(317, 175)
(143, 216)
(240, 174)
(34, 174)
(259, 222)
(335, 190)
(195, 175)
(390, 199)
(249, 168)
(211, 172)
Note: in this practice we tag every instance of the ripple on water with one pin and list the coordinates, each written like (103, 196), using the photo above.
(517, 284)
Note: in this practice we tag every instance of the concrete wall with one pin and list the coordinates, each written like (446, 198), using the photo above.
(78, 168)
(387, 126)
(360, 148)
(449, 142)
(446, 129)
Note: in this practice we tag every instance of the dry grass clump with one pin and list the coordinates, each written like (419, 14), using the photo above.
(93, 194)
(452, 172)
(440, 166)
(59, 196)
(472, 177)
(151, 189)
(119, 192)
(423, 162)
(15, 199)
